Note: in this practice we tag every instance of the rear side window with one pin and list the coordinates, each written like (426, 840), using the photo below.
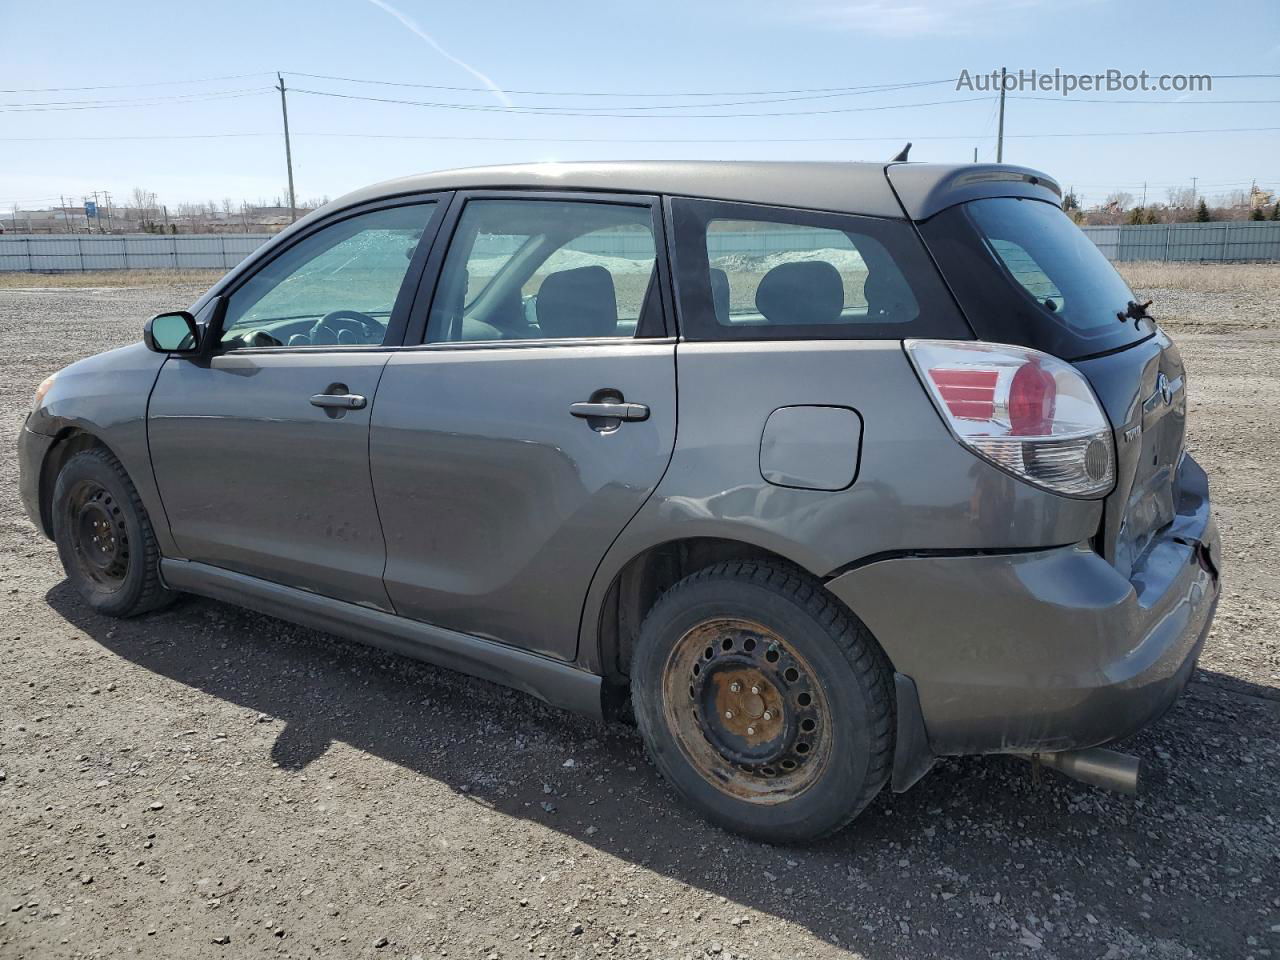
(534, 269)
(768, 273)
(1025, 274)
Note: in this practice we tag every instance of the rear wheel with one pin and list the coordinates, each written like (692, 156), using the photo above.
(763, 701)
(104, 536)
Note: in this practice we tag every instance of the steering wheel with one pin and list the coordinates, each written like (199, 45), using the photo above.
(339, 320)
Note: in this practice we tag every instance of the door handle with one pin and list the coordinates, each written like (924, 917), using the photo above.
(617, 411)
(339, 401)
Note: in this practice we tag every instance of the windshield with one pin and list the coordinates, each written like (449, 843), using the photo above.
(1026, 274)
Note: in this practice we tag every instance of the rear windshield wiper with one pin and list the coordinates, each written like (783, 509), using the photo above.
(1135, 311)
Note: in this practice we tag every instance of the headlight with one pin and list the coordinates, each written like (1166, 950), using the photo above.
(42, 390)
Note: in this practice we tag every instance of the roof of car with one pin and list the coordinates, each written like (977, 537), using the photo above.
(857, 188)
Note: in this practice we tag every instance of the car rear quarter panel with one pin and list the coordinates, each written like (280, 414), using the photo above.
(106, 396)
(916, 489)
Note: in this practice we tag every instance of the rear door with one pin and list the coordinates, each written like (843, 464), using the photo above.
(532, 420)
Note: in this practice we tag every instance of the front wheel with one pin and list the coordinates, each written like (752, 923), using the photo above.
(763, 701)
(104, 536)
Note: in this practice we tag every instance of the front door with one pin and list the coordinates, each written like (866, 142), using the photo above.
(261, 450)
(511, 448)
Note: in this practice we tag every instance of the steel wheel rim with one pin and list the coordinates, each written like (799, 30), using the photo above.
(747, 711)
(99, 537)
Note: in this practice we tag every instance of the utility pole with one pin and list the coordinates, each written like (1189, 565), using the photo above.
(1144, 194)
(1193, 192)
(106, 198)
(1000, 129)
(97, 210)
(975, 154)
(66, 220)
(288, 150)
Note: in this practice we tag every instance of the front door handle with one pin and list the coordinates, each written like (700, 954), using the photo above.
(339, 401)
(617, 411)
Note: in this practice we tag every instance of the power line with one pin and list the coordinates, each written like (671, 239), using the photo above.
(555, 93)
(891, 88)
(502, 139)
(603, 93)
(132, 104)
(160, 136)
(1200, 103)
(561, 112)
(151, 99)
(124, 86)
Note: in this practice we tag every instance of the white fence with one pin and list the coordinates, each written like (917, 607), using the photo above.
(1237, 241)
(43, 253)
(1232, 241)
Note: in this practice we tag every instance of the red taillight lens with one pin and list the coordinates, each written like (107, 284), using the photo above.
(1025, 411)
(1033, 397)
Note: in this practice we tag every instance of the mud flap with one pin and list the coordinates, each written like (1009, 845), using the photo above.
(912, 758)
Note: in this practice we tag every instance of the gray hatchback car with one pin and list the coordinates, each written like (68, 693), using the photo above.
(818, 471)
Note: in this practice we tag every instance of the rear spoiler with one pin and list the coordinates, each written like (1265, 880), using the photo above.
(923, 189)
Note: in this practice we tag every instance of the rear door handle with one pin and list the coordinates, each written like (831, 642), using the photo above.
(339, 401)
(618, 411)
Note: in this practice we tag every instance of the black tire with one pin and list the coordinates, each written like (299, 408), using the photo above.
(104, 537)
(839, 671)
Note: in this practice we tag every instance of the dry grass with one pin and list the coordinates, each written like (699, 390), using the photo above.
(1246, 278)
(108, 278)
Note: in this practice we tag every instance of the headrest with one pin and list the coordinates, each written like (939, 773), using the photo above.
(804, 292)
(578, 303)
(720, 295)
(889, 299)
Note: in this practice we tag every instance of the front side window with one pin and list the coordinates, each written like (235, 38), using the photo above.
(546, 270)
(337, 286)
(750, 272)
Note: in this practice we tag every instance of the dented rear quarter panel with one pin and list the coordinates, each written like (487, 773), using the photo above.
(916, 489)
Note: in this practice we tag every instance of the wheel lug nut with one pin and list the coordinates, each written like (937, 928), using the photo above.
(728, 714)
(735, 687)
(755, 689)
(751, 731)
(768, 715)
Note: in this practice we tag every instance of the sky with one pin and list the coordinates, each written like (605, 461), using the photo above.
(185, 105)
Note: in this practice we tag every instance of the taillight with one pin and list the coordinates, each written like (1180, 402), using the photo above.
(1025, 411)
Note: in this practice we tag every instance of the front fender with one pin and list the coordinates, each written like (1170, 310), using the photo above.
(106, 397)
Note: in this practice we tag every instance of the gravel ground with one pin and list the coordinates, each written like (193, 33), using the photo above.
(207, 782)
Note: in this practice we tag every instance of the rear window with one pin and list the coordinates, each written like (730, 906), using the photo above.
(751, 272)
(1026, 274)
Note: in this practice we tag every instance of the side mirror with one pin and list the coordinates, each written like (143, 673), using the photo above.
(175, 332)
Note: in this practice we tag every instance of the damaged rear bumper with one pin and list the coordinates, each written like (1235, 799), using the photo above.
(1041, 651)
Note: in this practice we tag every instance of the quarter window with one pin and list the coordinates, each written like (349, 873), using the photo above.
(766, 273)
(546, 269)
(770, 273)
(337, 286)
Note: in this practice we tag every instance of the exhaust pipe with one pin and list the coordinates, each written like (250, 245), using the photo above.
(1101, 768)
